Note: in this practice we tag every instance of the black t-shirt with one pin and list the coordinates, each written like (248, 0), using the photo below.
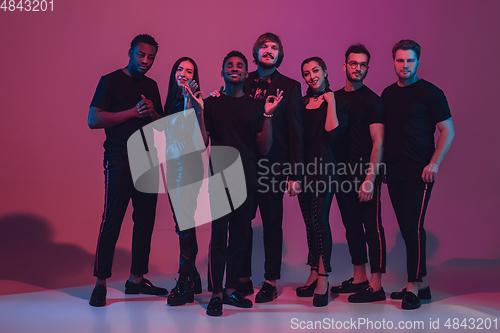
(412, 113)
(365, 108)
(118, 92)
(235, 122)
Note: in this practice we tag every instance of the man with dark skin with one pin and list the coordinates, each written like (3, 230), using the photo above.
(124, 102)
(233, 120)
(279, 170)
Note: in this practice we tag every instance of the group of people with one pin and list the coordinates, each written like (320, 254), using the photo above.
(352, 138)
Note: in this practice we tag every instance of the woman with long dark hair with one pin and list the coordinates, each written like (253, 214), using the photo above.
(325, 121)
(184, 173)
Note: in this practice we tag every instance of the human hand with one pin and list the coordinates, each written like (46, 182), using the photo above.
(329, 97)
(273, 101)
(366, 191)
(430, 172)
(293, 188)
(196, 99)
(216, 93)
(145, 107)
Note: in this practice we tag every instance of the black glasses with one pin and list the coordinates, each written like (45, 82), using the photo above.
(354, 65)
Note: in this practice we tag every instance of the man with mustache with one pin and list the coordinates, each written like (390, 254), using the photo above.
(361, 150)
(287, 149)
(414, 108)
(124, 102)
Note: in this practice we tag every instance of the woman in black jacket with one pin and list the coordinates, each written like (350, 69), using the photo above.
(184, 173)
(325, 121)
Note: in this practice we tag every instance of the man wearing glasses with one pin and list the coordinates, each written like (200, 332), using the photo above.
(359, 203)
(414, 108)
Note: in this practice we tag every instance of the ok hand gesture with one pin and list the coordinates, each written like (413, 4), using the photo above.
(272, 102)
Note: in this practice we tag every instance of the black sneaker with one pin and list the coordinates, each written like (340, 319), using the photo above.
(266, 294)
(98, 297)
(144, 287)
(236, 299)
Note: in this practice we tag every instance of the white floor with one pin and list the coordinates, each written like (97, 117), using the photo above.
(67, 310)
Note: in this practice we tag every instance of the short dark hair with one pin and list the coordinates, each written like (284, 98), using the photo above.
(144, 38)
(268, 37)
(406, 44)
(357, 48)
(235, 54)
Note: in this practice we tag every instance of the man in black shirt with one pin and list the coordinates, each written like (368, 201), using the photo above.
(233, 120)
(124, 102)
(287, 148)
(361, 151)
(414, 107)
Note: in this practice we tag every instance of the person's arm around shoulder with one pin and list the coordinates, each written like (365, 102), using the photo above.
(446, 135)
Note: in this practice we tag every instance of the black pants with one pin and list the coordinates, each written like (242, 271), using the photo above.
(184, 176)
(119, 190)
(363, 226)
(410, 203)
(188, 246)
(228, 256)
(270, 204)
(316, 213)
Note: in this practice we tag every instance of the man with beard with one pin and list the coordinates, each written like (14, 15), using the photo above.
(414, 108)
(287, 149)
(361, 154)
(124, 102)
(235, 120)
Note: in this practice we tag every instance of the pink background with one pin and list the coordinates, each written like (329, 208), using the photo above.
(51, 180)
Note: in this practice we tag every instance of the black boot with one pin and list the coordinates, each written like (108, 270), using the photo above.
(182, 293)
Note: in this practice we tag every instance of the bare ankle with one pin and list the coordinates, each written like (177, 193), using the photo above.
(271, 282)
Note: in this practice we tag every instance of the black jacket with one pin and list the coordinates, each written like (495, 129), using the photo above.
(287, 122)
